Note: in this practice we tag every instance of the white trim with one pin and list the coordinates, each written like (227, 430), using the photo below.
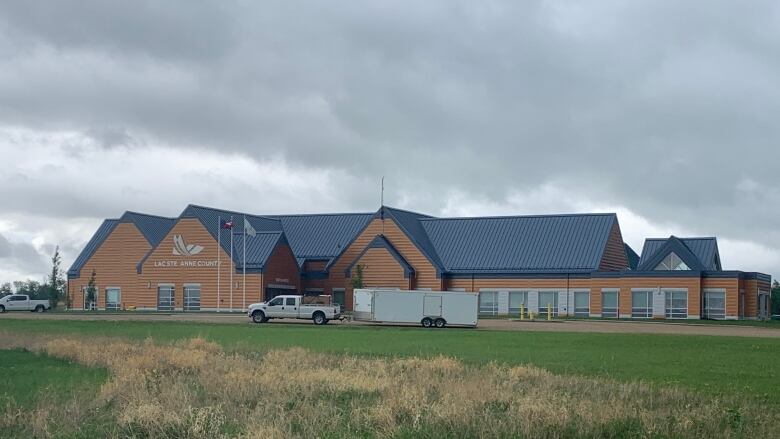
(190, 285)
(713, 290)
(280, 287)
(595, 314)
(116, 288)
(166, 285)
(694, 317)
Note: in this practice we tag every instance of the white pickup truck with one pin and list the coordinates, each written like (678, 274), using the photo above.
(22, 302)
(290, 307)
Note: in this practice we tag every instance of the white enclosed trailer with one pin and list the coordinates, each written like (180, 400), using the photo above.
(428, 308)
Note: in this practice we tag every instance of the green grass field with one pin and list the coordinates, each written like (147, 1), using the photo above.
(715, 365)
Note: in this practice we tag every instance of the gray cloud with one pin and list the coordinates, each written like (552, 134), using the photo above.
(20, 256)
(665, 108)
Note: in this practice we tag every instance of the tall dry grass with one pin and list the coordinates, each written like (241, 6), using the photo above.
(195, 389)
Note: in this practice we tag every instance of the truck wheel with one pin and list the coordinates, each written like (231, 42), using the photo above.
(440, 323)
(319, 318)
(2, 309)
(427, 322)
(259, 317)
(39, 308)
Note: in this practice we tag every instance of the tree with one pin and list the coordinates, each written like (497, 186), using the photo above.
(5, 289)
(775, 298)
(91, 289)
(357, 278)
(32, 288)
(56, 281)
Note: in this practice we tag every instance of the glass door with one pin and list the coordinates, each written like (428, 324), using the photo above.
(714, 305)
(165, 298)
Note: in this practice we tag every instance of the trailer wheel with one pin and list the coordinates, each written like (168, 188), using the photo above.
(440, 323)
(427, 322)
(259, 317)
(319, 318)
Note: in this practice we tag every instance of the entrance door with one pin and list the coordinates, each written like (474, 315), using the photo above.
(714, 305)
(432, 306)
(763, 305)
(165, 298)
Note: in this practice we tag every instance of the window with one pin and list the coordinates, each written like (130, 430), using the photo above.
(715, 305)
(642, 304)
(488, 303)
(609, 304)
(192, 297)
(277, 301)
(517, 298)
(582, 304)
(17, 298)
(290, 301)
(165, 298)
(672, 262)
(548, 299)
(338, 296)
(676, 304)
(113, 299)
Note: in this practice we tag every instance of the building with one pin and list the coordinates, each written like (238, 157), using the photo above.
(573, 265)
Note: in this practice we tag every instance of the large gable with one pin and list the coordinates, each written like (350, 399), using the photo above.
(704, 250)
(521, 244)
(154, 228)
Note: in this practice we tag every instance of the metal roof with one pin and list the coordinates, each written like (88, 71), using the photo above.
(210, 217)
(154, 228)
(94, 243)
(321, 236)
(258, 249)
(549, 243)
(705, 249)
(410, 223)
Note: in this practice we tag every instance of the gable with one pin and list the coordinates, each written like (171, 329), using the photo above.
(378, 249)
(614, 257)
(167, 253)
(93, 244)
(675, 246)
(114, 261)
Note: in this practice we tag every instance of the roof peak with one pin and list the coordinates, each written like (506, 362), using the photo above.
(682, 238)
(275, 215)
(558, 215)
(132, 212)
(214, 209)
(405, 211)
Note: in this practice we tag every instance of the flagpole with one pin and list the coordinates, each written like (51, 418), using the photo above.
(243, 281)
(219, 251)
(232, 263)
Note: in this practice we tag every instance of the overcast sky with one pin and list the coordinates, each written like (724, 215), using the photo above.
(665, 112)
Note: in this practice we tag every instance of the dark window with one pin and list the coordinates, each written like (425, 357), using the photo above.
(291, 301)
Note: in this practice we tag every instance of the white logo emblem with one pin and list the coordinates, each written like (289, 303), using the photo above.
(180, 248)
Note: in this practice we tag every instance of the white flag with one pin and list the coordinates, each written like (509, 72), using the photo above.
(248, 229)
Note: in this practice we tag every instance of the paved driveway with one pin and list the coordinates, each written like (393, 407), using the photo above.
(637, 327)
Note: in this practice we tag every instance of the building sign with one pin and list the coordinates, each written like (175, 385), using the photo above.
(284, 281)
(186, 263)
(180, 248)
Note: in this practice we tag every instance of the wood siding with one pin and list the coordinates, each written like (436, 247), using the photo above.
(425, 272)
(614, 258)
(381, 269)
(155, 272)
(314, 265)
(115, 264)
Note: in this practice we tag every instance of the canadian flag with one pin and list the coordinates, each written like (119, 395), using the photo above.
(227, 224)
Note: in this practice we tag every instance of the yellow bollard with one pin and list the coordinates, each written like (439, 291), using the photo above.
(549, 312)
(522, 309)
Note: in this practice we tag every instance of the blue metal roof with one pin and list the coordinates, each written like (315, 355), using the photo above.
(258, 249)
(94, 243)
(154, 228)
(209, 217)
(550, 243)
(705, 250)
(321, 236)
(410, 223)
